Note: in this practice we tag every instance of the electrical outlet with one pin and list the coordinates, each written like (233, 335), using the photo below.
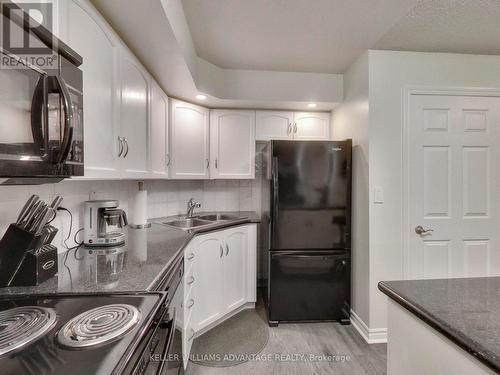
(378, 195)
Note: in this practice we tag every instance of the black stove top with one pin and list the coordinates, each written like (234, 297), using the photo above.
(74, 334)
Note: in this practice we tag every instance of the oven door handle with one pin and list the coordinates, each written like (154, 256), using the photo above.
(57, 85)
(164, 325)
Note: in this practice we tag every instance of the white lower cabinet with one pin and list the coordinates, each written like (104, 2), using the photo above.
(219, 277)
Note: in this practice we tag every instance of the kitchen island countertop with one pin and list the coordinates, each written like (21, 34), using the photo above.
(466, 311)
(140, 266)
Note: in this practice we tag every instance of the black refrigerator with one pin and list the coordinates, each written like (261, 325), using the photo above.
(309, 272)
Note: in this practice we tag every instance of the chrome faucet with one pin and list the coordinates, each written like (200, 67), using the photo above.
(192, 204)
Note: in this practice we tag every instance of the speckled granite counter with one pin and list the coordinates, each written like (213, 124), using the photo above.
(139, 266)
(467, 311)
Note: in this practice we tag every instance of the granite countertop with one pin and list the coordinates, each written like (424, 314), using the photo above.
(138, 266)
(467, 311)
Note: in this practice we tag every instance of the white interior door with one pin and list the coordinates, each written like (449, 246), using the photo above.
(454, 168)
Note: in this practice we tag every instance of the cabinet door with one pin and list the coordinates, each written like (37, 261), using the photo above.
(311, 126)
(209, 278)
(273, 125)
(88, 35)
(232, 144)
(189, 127)
(235, 267)
(134, 116)
(160, 158)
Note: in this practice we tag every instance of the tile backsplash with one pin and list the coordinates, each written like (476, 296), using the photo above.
(165, 198)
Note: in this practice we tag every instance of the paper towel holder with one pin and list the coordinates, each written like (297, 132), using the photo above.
(142, 222)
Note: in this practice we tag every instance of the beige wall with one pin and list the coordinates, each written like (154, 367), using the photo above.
(390, 74)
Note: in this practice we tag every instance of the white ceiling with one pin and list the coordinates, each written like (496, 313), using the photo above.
(321, 36)
(458, 26)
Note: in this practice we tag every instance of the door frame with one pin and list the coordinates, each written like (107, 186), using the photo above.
(407, 93)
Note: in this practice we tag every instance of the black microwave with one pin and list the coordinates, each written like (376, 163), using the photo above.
(41, 108)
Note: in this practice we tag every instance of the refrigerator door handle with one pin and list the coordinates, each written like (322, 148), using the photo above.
(275, 182)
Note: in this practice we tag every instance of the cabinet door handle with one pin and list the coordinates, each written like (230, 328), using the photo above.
(168, 160)
(126, 144)
(191, 256)
(120, 139)
(295, 128)
(221, 251)
(216, 163)
(191, 303)
(289, 129)
(227, 249)
(208, 163)
(191, 280)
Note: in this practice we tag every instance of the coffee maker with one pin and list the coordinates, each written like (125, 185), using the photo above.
(104, 223)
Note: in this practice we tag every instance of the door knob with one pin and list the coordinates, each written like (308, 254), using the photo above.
(420, 230)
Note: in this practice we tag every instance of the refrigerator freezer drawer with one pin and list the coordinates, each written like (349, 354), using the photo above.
(309, 286)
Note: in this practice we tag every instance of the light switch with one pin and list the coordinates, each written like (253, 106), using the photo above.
(378, 195)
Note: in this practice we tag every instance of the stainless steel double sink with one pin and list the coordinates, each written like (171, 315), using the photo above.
(197, 222)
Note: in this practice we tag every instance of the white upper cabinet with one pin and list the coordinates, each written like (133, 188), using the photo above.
(311, 126)
(232, 144)
(189, 141)
(160, 158)
(134, 112)
(292, 125)
(89, 36)
(274, 125)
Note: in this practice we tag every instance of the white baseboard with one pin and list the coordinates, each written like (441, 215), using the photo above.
(371, 335)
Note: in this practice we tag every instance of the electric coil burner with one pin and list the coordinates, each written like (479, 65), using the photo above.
(82, 334)
(99, 326)
(21, 326)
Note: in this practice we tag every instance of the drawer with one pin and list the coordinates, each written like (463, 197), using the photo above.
(189, 280)
(189, 258)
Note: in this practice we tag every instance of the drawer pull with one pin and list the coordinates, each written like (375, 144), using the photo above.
(191, 256)
(191, 280)
(191, 301)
